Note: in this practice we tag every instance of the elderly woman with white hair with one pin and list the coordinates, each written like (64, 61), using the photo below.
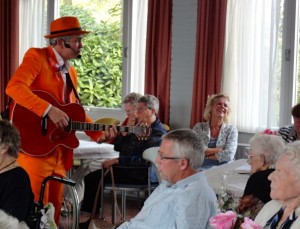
(284, 208)
(262, 156)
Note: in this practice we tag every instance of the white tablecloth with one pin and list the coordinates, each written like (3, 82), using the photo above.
(91, 155)
(93, 150)
(236, 182)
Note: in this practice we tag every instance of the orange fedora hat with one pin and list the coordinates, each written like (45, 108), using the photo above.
(65, 26)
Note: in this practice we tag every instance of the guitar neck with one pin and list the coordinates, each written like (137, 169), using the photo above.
(86, 126)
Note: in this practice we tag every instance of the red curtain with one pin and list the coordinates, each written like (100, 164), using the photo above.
(209, 54)
(9, 44)
(158, 54)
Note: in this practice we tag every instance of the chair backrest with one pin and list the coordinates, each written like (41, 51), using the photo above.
(108, 121)
(150, 155)
(166, 127)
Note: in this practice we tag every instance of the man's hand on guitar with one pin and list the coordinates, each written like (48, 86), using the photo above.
(58, 117)
(109, 133)
(132, 121)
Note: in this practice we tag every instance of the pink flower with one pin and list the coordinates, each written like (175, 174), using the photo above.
(224, 220)
(270, 132)
(249, 224)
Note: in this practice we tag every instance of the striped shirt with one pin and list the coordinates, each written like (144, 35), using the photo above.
(288, 133)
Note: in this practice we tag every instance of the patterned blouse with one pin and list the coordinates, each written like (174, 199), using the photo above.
(227, 139)
(288, 133)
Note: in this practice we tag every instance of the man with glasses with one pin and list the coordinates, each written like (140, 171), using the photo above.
(130, 168)
(184, 198)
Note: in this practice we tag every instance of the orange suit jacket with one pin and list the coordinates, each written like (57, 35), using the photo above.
(38, 71)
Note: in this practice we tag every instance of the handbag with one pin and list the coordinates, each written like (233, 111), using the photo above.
(95, 221)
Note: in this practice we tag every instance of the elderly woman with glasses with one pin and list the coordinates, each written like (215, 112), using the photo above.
(219, 137)
(132, 146)
(284, 209)
(262, 156)
(129, 168)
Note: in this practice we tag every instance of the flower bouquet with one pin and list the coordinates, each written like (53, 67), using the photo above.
(231, 220)
(236, 214)
(226, 201)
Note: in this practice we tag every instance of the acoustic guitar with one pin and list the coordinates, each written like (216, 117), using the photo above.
(40, 136)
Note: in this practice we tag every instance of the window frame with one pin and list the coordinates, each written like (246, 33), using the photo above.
(288, 86)
(96, 112)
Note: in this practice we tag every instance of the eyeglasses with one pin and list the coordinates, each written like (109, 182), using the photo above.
(251, 156)
(130, 111)
(142, 109)
(162, 157)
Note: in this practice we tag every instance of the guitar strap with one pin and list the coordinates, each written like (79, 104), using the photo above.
(71, 85)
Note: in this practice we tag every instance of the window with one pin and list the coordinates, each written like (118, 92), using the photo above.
(111, 75)
(260, 62)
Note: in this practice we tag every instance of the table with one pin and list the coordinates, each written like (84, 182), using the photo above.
(236, 182)
(92, 150)
(91, 156)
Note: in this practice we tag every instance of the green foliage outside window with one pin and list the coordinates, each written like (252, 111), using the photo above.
(100, 66)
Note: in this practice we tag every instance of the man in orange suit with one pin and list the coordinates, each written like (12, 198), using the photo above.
(48, 69)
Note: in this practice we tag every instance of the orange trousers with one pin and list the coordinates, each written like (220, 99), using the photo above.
(39, 168)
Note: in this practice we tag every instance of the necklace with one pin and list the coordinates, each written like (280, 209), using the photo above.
(8, 165)
(215, 131)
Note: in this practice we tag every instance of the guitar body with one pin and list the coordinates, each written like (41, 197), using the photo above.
(34, 141)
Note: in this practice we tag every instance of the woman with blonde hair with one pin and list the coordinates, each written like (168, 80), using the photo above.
(219, 136)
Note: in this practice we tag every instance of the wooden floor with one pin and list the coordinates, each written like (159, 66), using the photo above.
(133, 206)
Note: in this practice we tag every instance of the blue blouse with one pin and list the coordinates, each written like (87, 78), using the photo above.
(227, 139)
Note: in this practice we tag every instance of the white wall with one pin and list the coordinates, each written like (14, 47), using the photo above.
(182, 63)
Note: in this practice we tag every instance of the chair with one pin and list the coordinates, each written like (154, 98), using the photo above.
(166, 127)
(70, 206)
(123, 189)
(108, 121)
(148, 155)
